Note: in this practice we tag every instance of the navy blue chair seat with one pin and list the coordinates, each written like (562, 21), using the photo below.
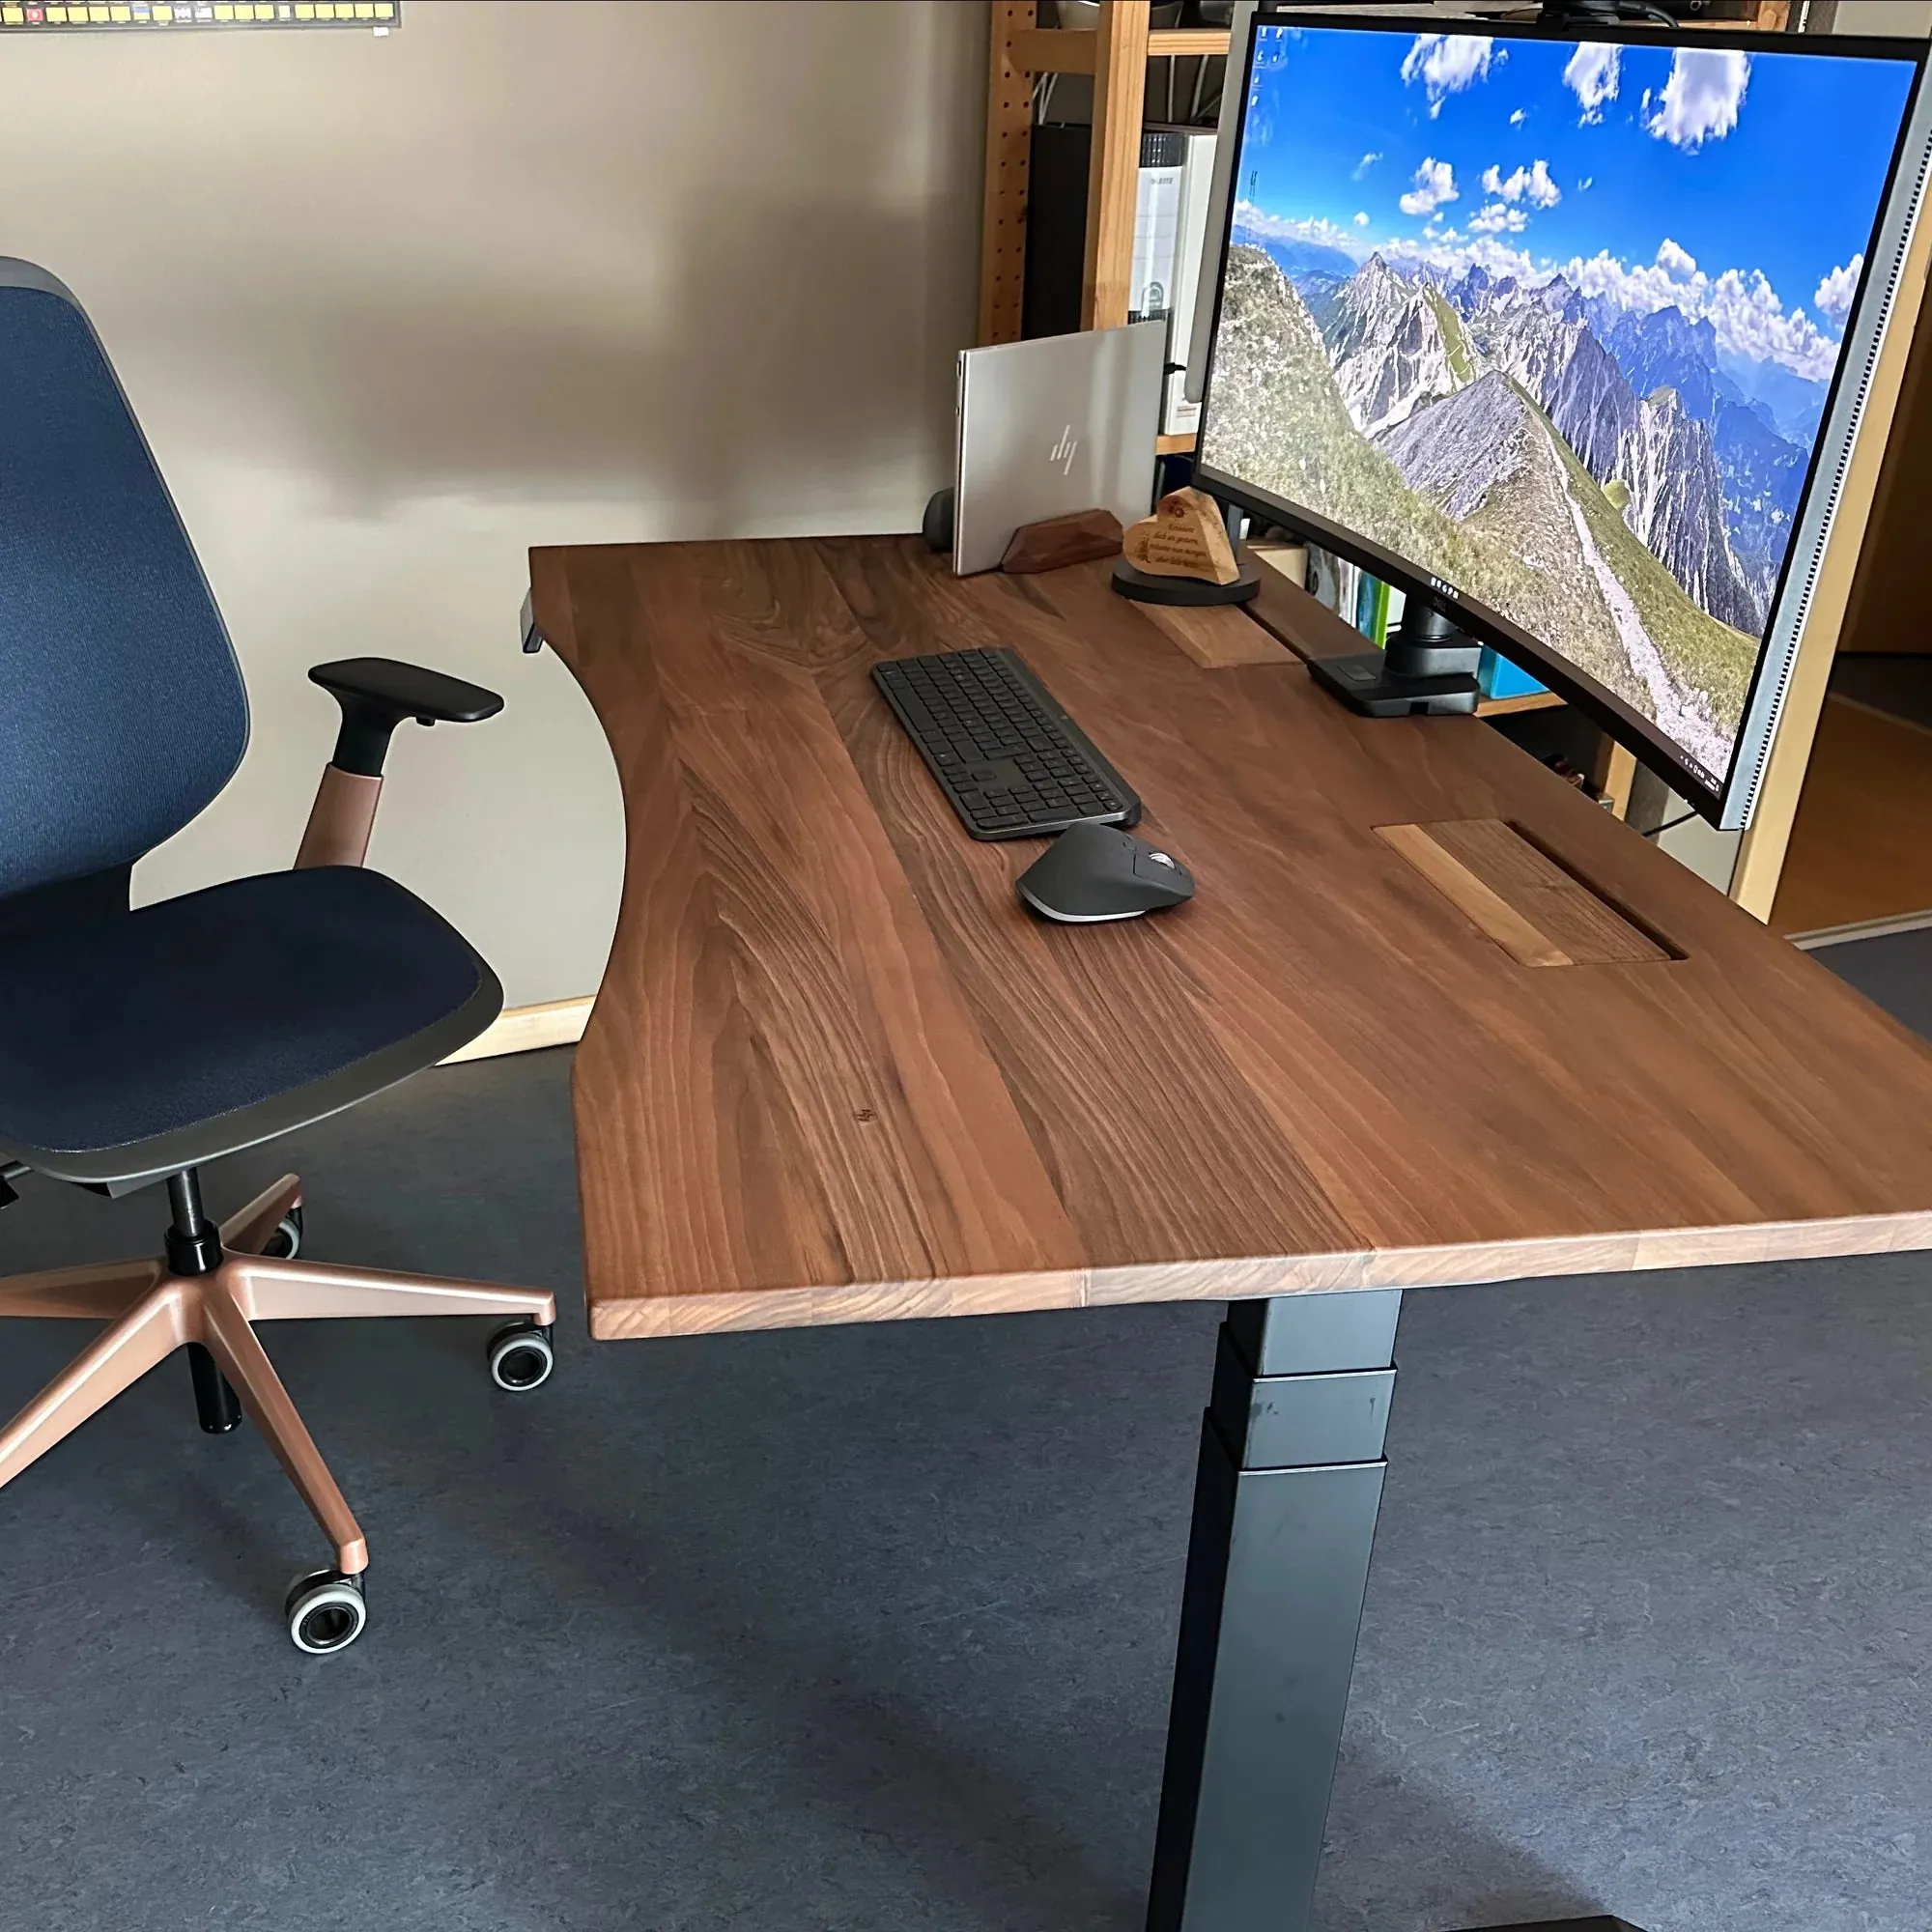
(141, 1042)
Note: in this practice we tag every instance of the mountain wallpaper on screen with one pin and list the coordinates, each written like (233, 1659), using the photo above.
(1610, 455)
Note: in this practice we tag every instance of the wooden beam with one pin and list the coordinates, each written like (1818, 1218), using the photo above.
(1009, 158)
(1614, 774)
(1187, 43)
(1113, 176)
(1065, 50)
(1053, 51)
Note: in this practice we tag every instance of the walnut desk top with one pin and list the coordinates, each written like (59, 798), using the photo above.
(1433, 1017)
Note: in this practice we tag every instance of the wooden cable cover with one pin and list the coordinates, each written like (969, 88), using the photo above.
(1528, 904)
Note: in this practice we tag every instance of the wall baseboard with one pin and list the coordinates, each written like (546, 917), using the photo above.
(525, 1029)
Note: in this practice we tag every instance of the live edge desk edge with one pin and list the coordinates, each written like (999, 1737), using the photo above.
(828, 1035)
(1434, 1018)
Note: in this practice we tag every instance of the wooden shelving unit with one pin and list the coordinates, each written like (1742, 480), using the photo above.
(1115, 54)
(1009, 160)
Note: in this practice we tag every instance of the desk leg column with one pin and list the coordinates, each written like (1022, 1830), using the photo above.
(1284, 1507)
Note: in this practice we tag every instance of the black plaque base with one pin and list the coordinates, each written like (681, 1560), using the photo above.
(1144, 587)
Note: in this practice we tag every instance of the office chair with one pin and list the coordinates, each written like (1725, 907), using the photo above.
(135, 1046)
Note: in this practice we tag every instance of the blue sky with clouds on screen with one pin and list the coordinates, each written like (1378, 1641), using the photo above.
(1741, 187)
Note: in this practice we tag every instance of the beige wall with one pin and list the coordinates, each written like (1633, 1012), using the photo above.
(527, 271)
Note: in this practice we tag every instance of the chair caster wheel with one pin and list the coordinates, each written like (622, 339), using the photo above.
(326, 1612)
(286, 1242)
(521, 1356)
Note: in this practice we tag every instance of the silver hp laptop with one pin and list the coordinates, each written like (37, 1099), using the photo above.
(1051, 427)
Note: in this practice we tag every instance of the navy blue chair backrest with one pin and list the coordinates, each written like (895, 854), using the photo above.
(121, 708)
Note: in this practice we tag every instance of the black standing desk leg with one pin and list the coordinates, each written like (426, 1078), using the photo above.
(1284, 1507)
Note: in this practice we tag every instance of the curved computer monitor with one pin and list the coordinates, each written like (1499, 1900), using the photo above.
(1569, 338)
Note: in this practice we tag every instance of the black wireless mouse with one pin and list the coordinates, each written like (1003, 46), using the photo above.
(1097, 871)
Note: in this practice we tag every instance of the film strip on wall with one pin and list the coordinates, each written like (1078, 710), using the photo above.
(43, 16)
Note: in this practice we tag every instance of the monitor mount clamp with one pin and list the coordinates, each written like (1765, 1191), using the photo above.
(1428, 668)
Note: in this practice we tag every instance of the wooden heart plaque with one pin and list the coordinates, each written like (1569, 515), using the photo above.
(1184, 537)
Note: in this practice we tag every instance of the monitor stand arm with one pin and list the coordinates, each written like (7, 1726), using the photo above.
(1428, 668)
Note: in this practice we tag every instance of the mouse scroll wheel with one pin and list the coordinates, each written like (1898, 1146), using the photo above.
(1160, 859)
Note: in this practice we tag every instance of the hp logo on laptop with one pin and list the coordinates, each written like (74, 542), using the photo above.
(1062, 451)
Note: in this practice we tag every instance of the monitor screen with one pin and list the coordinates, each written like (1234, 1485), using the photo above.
(1550, 330)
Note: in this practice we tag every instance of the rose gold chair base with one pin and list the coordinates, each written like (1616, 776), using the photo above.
(151, 1312)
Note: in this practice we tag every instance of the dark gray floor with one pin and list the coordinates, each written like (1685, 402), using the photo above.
(1893, 968)
(872, 1628)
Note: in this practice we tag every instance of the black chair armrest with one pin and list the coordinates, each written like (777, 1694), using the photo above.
(377, 694)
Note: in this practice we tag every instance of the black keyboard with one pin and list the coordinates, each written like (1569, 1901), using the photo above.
(1012, 762)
